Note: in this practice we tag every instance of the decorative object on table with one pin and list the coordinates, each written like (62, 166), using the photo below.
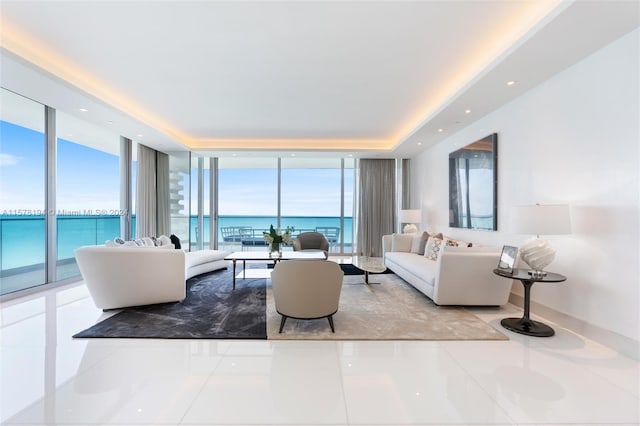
(507, 259)
(551, 219)
(275, 238)
(410, 217)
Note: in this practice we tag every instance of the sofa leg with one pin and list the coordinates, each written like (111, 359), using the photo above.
(330, 318)
(282, 321)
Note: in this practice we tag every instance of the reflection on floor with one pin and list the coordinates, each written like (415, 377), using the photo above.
(49, 378)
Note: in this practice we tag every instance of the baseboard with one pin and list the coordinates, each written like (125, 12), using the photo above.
(618, 342)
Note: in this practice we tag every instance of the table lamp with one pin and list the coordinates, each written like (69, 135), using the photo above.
(551, 219)
(410, 217)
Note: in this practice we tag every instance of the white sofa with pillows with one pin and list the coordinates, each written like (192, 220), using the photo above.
(448, 271)
(142, 272)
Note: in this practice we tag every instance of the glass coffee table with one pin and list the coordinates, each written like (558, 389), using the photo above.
(368, 264)
(264, 256)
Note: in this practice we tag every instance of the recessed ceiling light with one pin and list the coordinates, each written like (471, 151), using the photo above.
(109, 122)
(84, 110)
(467, 111)
(511, 82)
(440, 130)
(139, 136)
(350, 155)
(293, 155)
(419, 143)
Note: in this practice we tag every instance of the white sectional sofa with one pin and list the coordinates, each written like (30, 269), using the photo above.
(202, 261)
(459, 276)
(118, 277)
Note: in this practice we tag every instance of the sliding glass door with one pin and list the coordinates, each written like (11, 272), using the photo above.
(308, 194)
(87, 189)
(22, 193)
(247, 201)
(311, 197)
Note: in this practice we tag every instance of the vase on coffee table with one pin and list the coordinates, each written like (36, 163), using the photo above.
(274, 250)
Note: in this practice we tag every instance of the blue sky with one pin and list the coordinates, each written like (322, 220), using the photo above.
(88, 179)
(305, 192)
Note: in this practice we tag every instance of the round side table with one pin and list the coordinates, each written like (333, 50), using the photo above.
(526, 325)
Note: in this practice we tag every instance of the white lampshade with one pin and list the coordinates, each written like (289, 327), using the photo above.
(551, 219)
(410, 216)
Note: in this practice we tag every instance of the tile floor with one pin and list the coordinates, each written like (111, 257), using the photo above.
(49, 378)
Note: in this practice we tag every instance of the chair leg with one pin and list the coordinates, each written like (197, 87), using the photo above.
(282, 321)
(330, 318)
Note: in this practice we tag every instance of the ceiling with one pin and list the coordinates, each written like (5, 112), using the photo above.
(372, 78)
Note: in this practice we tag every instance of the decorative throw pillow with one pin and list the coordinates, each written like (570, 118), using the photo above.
(401, 242)
(119, 241)
(432, 249)
(418, 242)
(176, 241)
(451, 242)
(163, 240)
(147, 242)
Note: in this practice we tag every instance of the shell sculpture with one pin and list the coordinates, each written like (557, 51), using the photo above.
(537, 253)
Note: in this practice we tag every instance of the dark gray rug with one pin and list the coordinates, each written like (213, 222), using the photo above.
(211, 310)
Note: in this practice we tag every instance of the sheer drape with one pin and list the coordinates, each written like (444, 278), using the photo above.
(162, 191)
(146, 206)
(376, 204)
(406, 183)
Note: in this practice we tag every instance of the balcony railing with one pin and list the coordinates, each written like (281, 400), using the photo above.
(23, 243)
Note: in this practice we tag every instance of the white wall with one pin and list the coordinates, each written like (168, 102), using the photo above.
(573, 139)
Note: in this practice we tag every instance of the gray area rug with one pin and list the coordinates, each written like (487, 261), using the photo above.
(391, 309)
(211, 310)
(388, 309)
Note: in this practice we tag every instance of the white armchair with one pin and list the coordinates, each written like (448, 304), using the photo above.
(306, 289)
(312, 241)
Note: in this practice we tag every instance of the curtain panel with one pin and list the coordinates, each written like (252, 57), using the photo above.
(146, 193)
(376, 204)
(152, 193)
(162, 191)
(406, 183)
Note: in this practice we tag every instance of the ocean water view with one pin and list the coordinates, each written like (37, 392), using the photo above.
(22, 238)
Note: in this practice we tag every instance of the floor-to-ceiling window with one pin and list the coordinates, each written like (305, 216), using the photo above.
(22, 193)
(134, 188)
(306, 193)
(349, 173)
(311, 197)
(87, 189)
(180, 196)
(59, 189)
(247, 200)
(200, 196)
